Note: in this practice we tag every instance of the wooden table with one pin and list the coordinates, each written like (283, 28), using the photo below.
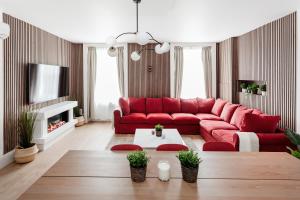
(222, 175)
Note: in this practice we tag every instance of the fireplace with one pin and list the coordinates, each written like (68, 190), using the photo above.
(57, 121)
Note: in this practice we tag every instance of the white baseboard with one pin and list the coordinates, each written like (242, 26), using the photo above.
(6, 159)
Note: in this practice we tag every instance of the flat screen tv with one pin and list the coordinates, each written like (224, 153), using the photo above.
(46, 82)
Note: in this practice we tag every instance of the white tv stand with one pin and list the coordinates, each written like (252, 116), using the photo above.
(41, 136)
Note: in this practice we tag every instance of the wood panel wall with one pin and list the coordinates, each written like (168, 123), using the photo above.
(29, 44)
(143, 83)
(268, 54)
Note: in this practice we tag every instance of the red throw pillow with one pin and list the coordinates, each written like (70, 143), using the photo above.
(124, 105)
(239, 117)
(228, 111)
(257, 111)
(154, 105)
(259, 123)
(137, 105)
(205, 105)
(218, 107)
(171, 105)
(189, 106)
(236, 114)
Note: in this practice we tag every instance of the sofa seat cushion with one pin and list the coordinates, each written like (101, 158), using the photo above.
(159, 118)
(228, 111)
(273, 139)
(205, 105)
(229, 136)
(154, 105)
(207, 116)
(189, 106)
(171, 105)
(134, 118)
(185, 119)
(137, 105)
(218, 107)
(210, 125)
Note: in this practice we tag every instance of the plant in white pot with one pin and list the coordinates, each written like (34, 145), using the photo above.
(26, 151)
(244, 87)
(263, 89)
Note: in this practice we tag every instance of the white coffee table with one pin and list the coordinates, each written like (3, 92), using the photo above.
(145, 138)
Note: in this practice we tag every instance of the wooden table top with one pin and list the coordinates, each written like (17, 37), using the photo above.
(222, 175)
(223, 165)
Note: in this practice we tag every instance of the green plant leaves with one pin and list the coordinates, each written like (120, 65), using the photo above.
(293, 136)
(25, 128)
(138, 159)
(189, 159)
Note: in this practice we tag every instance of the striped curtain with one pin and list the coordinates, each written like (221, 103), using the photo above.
(207, 68)
(178, 56)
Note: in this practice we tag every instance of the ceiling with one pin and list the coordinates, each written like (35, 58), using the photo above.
(92, 21)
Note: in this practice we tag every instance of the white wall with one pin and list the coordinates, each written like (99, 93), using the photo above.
(214, 64)
(1, 90)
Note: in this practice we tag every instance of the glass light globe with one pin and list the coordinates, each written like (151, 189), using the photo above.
(158, 49)
(4, 30)
(142, 38)
(135, 56)
(112, 51)
(165, 47)
(111, 41)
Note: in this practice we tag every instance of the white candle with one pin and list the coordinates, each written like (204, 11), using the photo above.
(163, 170)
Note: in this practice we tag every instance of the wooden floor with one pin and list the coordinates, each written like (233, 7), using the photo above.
(16, 178)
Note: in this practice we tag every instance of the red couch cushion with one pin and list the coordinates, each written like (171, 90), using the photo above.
(171, 105)
(185, 118)
(205, 105)
(206, 116)
(236, 113)
(159, 118)
(189, 106)
(259, 123)
(134, 118)
(228, 111)
(137, 105)
(218, 107)
(210, 125)
(229, 136)
(273, 139)
(257, 111)
(239, 117)
(154, 105)
(124, 105)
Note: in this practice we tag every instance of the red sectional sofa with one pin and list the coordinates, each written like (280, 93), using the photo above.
(216, 120)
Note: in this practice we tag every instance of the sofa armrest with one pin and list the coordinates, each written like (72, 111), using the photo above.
(218, 146)
(117, 115)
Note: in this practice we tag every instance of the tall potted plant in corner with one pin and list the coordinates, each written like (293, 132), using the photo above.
(138, 165)
(263, 89)
(244, 87)
(293, 137)
(189, 161)
(26, 151)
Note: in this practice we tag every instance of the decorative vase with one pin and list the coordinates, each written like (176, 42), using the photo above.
(244, 90)
(79, 121)
(158, 133)
(263, 93)
(138, 174)
(25, 155)
(189, 175)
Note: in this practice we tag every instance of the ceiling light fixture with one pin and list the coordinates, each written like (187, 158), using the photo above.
(142, 38)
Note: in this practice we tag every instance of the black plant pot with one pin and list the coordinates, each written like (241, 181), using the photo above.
(138, 174)
(158, 133)
(189, 174)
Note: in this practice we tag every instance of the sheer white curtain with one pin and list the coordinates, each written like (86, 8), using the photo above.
(107, 91)
(193, 82)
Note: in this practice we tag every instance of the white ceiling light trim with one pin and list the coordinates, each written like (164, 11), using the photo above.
(142, 38)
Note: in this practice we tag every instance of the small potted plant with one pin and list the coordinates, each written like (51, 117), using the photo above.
(26, 151)
(244, 87)
(253, 88)
(263, 89)
(189, 165)
(158, 130)
(138, 165)
(293, 137)
(78, 117)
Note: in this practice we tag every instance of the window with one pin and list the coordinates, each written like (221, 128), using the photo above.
(107, 87)
(193, 83)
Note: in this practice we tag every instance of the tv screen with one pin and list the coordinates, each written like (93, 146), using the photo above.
(46, 82)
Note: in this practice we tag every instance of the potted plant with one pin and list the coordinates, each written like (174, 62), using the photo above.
(244, 87)
(78, 117)
(158, 130)
(253, 88)
(294, 153)
(293, 137)
(138, 165)
(189, 165)
(263, 89)
(26, 151)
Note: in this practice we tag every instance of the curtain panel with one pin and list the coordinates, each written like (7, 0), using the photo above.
(178, 57)
(207, 68)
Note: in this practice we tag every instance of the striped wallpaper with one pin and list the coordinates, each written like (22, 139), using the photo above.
(29, 44)
(145, 83)
(267, 54)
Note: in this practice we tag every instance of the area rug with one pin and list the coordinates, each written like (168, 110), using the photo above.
(128, 139)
